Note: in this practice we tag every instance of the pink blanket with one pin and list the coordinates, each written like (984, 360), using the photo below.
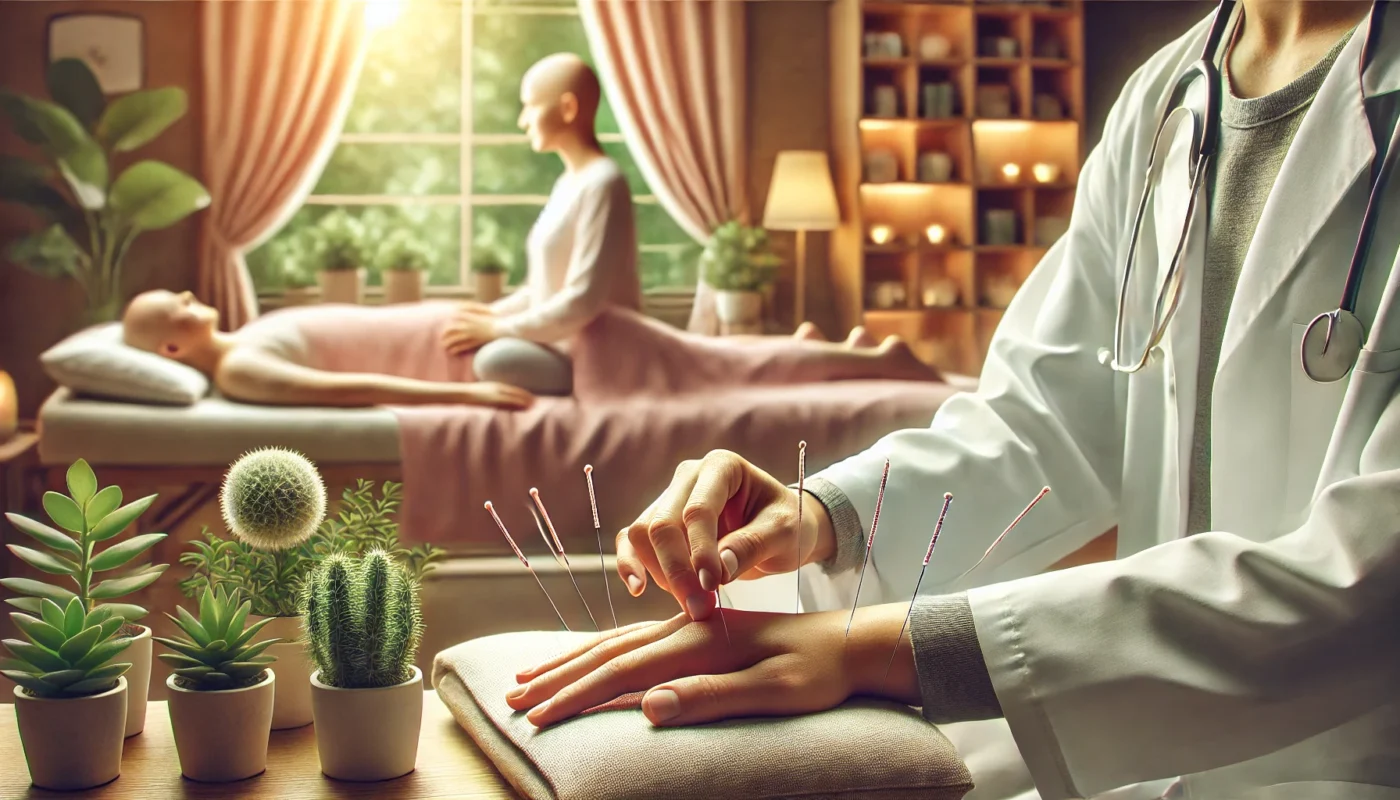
(646, 397)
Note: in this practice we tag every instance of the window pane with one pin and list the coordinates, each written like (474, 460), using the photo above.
(504, 46)
(412, 77)
(655, 226)
(395, 169)
(513, 169)
(288, 259)
(669, 267)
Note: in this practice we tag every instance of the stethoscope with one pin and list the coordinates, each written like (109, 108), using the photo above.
(1333, 340)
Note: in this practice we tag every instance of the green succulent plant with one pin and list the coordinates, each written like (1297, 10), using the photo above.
(403, 250)
(362, 619)
(217, 651)
(273, 499)
(739, 258)
(339, 241)
(68, 652)
(90, 516)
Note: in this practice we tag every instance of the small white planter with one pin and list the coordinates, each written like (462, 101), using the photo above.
(292, 706)
(138, 679)
(221, 736)
(368, 734)
(73, 743)
(404, 285)
(739, 308)
(489, 286)
(341, 285)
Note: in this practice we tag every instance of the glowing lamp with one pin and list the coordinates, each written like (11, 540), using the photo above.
(881, 234)
(937, 234)
(1045, 173)
(1011, 172)
(9, 407)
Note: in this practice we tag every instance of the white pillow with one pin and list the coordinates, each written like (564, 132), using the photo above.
(96, 362)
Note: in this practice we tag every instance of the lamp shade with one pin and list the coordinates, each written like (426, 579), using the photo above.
(801, 196)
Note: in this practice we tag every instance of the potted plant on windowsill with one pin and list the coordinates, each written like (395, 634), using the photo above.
(221, 690)
(71, 696)
(340, 253)
(404, 260)
(363, 626)
(488, 275)
(739, 265)
(291, 261)
(90, 517)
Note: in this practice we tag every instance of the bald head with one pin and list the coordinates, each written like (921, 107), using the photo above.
(173, 325)
(559, 99)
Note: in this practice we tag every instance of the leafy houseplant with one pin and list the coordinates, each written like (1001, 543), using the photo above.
(71, 698)
(339, 242)
(363, 625)
(739, 264)
(92, 516)
(221, 691)
(488, 274)
(404, 260)
(71, 189)
(291, 263)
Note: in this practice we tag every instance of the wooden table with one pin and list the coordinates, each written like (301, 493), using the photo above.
(449, 766)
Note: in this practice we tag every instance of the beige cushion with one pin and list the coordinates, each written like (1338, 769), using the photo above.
(96, 363)
(862, 749)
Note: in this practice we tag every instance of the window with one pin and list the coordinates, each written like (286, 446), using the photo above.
(430, 144)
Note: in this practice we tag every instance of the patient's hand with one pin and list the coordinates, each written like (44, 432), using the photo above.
(766, 665)
(468, 331)
(473, 307)
(498, 395)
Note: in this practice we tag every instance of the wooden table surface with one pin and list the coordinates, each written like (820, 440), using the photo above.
(449, 766)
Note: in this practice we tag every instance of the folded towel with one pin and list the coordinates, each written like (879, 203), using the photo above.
(864, 748)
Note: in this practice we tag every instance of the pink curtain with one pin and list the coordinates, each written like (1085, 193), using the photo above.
(278, 79)
(674, 72)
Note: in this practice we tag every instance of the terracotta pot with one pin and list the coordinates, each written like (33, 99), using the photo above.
(221, 736)
(489, 286)
(299, 296)
(291, 707)
(368, 734)
(404, 285)
(138, 679)
(341, 285)
(72, 743)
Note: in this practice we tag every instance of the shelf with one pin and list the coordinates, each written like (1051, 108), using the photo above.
(876, 123)
(913, 186)
(993, 61)
(992, 249)
(887, 62)
(994, 186)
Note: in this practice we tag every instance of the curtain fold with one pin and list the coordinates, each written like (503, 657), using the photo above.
(279, 76)
(674, 73)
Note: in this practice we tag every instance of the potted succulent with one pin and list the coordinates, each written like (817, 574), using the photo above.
(739, 264)
(488, 275)
(70, 697)
(340, 252)
(91, 516)
(221, 690)
(363, 626)
(404, 260)
(290, 261)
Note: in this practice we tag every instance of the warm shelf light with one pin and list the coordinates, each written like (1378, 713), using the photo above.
(1045, 173)
(881, 234)
(937, 234)
(1011, 172)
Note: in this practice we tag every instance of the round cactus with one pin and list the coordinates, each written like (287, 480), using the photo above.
(273, 499)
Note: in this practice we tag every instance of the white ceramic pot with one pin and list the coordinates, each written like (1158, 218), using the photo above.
(292, 706)
(489, 286)
(368, 734)
(738, 308)
(341, 285)
(404, 285)
(72, 743)
(221, 736)
(138, 679)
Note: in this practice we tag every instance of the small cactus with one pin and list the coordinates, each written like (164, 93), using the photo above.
(273, 499)
(363, 620)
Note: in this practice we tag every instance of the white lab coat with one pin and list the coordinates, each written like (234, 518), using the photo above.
(1259, 661)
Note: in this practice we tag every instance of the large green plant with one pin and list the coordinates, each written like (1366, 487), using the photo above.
(738, 258)
(272, 580)
(217, 651)
(69, 651)
(90, 516)
(363, 620)
(89, 219)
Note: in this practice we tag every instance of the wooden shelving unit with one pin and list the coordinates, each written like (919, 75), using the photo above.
(890, 273)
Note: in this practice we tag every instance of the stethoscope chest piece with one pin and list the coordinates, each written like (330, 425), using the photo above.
(1331, 345)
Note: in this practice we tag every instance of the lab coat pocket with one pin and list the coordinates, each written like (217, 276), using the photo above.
(1313, 410)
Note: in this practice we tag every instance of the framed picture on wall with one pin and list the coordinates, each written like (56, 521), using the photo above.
(111, 44)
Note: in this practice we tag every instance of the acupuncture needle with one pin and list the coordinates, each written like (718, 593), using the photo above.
(937, 529)
(535, 495)
(997, 541)
(523, 560)
(869, 543)
(598, 531)
(801, 480)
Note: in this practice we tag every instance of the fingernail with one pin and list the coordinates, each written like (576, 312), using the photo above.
(696, 607)
(707, 580)
(662, 704)
(731, 564)
(517, 692)
(634, 585)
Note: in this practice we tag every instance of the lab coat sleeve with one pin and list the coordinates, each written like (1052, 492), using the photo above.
(1208, 650)
(604, 247)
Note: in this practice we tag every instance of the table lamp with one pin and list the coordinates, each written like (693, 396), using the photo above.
(801, 198)
(9, 407)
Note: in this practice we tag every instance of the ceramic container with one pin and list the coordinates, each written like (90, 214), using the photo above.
(489, 286)
(221, 736)
(940, 293)
(999, 226)
(738, 308)
(341, 285)
(291, 707)
(72, 743)
(404, 285)
(368, 734)
(935, 167)
(885, 102)
(934, 47)
(138, 679)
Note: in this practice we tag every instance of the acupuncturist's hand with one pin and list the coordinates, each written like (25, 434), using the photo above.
(770, 665)
(469, 329)
(721, 519)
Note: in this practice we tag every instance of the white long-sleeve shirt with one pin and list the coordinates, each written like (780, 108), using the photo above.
(582, 258)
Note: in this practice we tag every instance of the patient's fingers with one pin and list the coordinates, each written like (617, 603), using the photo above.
(765, 689)
(572, 653)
